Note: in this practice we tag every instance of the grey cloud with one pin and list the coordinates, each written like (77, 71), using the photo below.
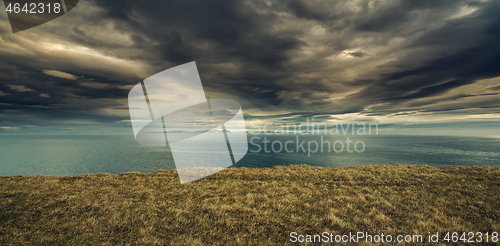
(7, 71)
(305, 58)
(60, 74)
(19, 88)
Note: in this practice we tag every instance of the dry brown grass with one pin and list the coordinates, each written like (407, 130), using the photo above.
(246, 206)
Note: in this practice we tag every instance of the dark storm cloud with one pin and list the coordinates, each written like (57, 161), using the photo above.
(7, 71)
(479, 60)
(281, 60)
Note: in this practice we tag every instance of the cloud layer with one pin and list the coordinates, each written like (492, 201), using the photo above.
(391, 62)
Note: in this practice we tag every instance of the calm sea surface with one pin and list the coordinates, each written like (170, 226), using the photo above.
(80, 154)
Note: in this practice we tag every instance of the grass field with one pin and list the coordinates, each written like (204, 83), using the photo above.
(247, 206)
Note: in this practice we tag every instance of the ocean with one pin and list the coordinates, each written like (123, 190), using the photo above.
(71, 154)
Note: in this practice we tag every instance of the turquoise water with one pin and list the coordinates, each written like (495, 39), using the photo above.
(80, 154)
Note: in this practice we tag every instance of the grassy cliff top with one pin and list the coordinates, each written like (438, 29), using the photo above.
(247, 206)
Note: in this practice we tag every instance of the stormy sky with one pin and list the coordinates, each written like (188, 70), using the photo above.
(427, 66)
